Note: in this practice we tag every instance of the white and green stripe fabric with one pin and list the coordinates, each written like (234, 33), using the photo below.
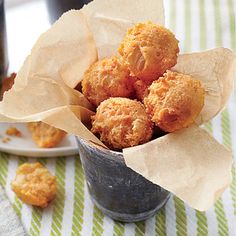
(199, 25)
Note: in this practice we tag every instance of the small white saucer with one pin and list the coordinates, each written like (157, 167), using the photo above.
(25, 146)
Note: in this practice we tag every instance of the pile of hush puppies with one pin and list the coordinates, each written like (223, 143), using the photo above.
(133, 93)
(137, 90)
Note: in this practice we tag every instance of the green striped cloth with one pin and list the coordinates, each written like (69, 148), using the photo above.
(199, 25)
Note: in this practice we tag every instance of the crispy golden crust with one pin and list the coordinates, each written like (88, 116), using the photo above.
(149, 50)
(34, 184)
(44, 135)
(107, 78)
(141, 89)
(122, 123)
(174, 101)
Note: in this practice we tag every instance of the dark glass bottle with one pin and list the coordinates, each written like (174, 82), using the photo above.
(3, 43)
(57, 7)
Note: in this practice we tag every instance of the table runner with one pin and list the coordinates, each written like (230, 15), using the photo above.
(199, 25)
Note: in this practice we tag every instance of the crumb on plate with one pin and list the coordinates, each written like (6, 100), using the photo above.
(6, 140)
(13, 131)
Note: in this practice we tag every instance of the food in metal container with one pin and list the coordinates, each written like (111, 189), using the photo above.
(149, 50)
(107, 78)
(174, 101)
(121, 123)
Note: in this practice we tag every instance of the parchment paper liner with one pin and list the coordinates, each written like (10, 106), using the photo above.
(44, 91)
(201, 166)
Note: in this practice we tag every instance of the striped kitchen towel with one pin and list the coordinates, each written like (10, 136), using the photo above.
(199, 25)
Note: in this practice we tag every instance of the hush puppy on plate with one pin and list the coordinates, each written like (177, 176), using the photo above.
(34, 184)
(122, 123)
(106, 78)
(149, 50)
(44, 135)
(174, 101)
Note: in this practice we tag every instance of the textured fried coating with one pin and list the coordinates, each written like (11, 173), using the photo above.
(174, 101)
(122, 123)
(141, 89)
(34, 184)
(107, 78)
(149, 50)
(44, 135)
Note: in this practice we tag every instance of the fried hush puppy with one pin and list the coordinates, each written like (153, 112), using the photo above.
(174, 101)
(44, 135)
(149, 50)
(122, 123)
(34, 184)
(107, 78)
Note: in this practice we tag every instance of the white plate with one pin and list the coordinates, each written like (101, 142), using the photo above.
(26, 147)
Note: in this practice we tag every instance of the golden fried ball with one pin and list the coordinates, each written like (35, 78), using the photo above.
(174, 101)
(44, 135)
(107, 78)
(122, 123)
(34, 184)
(149, 50)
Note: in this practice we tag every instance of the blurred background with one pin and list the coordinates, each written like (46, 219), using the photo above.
(26, 20)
